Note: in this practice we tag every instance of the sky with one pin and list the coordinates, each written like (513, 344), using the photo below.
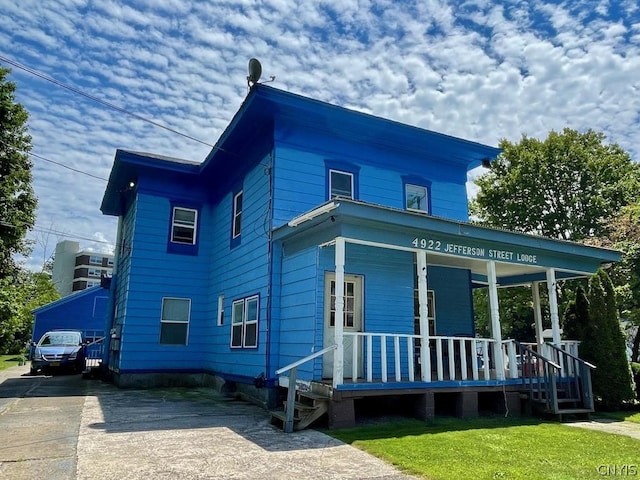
(480, 70)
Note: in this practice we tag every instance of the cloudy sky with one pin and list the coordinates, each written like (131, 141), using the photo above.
(478, 69)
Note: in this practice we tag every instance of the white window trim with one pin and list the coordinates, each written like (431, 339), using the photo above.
(426, 198)
(188, 321)
(220, 310)
(177, 223)
(236, 213)
(244, 322)
(95, 260)
(342, 172)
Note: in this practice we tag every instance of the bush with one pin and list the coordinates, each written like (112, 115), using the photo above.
(635, 369)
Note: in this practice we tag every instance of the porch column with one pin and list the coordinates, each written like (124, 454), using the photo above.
(537, 313)
(495, 320)
(423, 299)
(338, 353)
(553, 306)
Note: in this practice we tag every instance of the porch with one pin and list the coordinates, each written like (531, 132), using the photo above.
(461, 383)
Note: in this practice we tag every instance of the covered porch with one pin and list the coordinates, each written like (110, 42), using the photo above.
(359, 362)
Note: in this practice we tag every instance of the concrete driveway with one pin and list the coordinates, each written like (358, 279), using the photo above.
(63, 427)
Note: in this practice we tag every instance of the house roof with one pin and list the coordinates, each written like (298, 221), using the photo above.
(520, 258)
(265, 106)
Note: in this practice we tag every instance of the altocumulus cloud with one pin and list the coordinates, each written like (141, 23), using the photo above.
(481, 70)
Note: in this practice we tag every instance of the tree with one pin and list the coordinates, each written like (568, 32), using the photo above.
(18, 299)
(603, 344)
(567, 186)
(576, 318)
(17, 199)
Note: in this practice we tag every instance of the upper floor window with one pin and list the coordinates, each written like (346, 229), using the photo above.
(416, 198)
(95, 260)
(183, 225)
(236, 227)
(340, 184)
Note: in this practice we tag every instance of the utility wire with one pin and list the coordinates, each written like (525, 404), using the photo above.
(96, 99)
(67, 167)
(54, 162)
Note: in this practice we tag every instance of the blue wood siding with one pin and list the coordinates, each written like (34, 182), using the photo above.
(300, 175)
(239, 272)
(298, 311)
(85, 310)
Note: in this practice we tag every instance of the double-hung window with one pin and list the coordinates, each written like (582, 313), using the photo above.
(174, 321)
(244, 322)
(340, 184)
(183, 225)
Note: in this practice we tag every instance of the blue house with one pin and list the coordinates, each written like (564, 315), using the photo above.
(235, 269)
(85, 310)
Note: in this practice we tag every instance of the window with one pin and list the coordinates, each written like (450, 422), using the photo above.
(95, 260)
(220, 310)
(237, 215)
(416, 198)
(340, 184)
(110, 262)
(183, 225)
(244, 322)
(349, 309)
(94, 272)
(431, 311)
(174, 321)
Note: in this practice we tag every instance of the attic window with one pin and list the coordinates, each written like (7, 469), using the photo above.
(183, 225)
(237, 215)
(416, 198)
(340, 184)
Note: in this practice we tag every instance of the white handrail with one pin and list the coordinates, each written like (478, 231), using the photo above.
(297, 363)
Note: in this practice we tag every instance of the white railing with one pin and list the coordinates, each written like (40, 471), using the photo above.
(388, 357)
(569, 346)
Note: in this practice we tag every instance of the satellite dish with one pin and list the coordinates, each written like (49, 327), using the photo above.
(255, 70)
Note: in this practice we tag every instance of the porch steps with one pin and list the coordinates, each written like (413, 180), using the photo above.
(308, 407)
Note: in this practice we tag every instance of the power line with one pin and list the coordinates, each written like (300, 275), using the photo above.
(67, 167)
(96, 99)
(54, 162)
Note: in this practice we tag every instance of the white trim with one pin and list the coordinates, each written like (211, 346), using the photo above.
(236, 214)
(496, 333)
(352, 183)
(426, 198)
(294, 222)
(553, 306)
(220, 319)
(338, 354)
(177, 223)
(187, 322)
(244, 322)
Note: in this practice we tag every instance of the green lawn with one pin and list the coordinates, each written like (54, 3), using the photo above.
(494, 447)
(7, 361)
(627, 416)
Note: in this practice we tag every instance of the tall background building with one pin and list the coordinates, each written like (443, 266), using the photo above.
(75, 269)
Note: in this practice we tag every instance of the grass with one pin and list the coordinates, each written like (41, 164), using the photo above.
(7, 361)
(493, 448)
(626, 416)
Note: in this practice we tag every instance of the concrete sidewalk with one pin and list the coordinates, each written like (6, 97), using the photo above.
(198, 434)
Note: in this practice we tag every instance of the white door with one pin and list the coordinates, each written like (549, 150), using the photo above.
(352, 322)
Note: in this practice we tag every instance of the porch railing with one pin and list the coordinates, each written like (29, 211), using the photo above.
(402, 357)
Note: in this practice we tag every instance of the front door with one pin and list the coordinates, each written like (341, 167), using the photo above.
(352, 322)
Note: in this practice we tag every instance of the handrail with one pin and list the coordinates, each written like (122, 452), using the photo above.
(297, 363)
(536, 354)
(590, 365)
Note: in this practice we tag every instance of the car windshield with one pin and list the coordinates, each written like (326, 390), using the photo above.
(62, 338)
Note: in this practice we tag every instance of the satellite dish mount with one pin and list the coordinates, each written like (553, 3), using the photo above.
(255, 71)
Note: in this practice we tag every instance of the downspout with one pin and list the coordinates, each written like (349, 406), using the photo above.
(269, 268)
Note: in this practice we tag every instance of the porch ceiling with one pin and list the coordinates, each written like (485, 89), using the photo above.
(519, 258)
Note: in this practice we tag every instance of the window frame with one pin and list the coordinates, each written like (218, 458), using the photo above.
(178, 224)
(344, 168)
(236, 215)
(243, 322)
(352, 181)
(220, 318)
(95, 260)
(414, 181)
(174, 322)
(406, 198)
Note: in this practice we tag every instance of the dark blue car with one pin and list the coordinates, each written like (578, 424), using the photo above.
(59, 350)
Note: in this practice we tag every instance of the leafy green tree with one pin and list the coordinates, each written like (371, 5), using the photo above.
(18, 299)
(17, 199)
(603, 344)
(515, 309)
(576, 318)
(566, 186)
